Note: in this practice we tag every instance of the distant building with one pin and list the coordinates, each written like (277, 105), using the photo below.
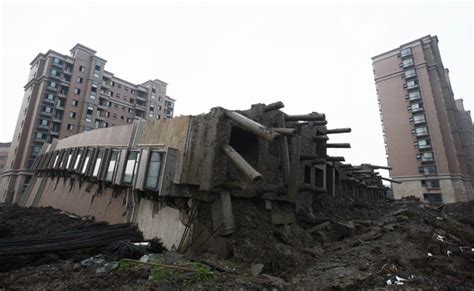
(4, 148)
(429, 137)
(70, 94)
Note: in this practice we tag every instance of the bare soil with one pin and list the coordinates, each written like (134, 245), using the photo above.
(350, 246)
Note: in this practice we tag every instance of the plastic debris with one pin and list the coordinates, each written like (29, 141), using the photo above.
(449, 253)
(440, 238)
(95, 261)
(396, 280)
(107, 268)
(430, 254)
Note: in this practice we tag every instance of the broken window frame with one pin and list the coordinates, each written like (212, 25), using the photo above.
(98, 161)
(115, 161)
(88, 161)
(161, 155)
(129, 171)
(78, 160)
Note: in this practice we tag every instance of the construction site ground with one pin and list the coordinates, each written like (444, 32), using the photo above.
(347, 245)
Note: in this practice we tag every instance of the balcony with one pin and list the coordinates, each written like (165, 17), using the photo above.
(54, 132)
(57, 119)
(44, 113)
(48, 101)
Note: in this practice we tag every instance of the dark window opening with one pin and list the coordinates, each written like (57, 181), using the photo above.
(246, 144)
(307, 174)
(433, 198)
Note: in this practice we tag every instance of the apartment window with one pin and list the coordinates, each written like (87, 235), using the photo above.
(114, 156)
(405, 52)
(160, 99)
(72, 114)
(153, 90)
(153, 171)
(82, 69)
(94, 89)
(420, 118)
(48, 109)
(90, 110)
(54, 73)
(98, 161)
(410, 73)
(77, 91)
(79, 80)
(414, 95)
(52, 84)
(56, 61)
(35, 150)
(114, 116)
(107, 114)
(433, 198)
(78, 159)
(430, 184)
(69, 159)
(106, 124)
(97, 67)
(427, 170)
(150, 115)
(152, 107)
(412, 84)
(97, 124)
(50, 97)
(407, 62)
(86, 161)
(427, 157)
(424, 144)
(70, 126)
(416, 107)
(75, 103)
(420, 131)
(130, 167)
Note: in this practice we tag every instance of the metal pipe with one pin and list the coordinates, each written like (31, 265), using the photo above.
(338, 130)
(273, 106)
(241, 163)
(338, 145)
(252, 126)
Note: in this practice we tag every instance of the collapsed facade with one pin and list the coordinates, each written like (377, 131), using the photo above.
(177, 178)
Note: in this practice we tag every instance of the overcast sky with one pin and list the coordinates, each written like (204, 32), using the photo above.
(313, 57)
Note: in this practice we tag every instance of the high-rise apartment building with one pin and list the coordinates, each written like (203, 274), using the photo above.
(428, 134)
(69, 94)
(4, 149)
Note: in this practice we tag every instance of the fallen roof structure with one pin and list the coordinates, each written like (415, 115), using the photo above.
(176, 178)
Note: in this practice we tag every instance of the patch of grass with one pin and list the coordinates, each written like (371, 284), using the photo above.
(159, 274)
(125, 265)
(203, 272)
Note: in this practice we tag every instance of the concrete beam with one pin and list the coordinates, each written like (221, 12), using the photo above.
(338, 130)
(273, 106)
(252, 126)
(242, 164)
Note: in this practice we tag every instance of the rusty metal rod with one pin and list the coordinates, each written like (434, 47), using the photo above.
(273, 106)
(242, 164)
(252, 126)
(339, 145)
(338, 130)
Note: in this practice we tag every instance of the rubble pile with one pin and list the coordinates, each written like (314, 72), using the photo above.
(348, 245)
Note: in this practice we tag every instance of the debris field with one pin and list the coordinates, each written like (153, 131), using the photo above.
(349, 245)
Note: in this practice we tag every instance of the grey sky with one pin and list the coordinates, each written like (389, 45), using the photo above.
(313, 57)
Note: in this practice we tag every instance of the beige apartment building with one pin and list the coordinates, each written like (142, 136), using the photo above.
(70, 94)
(4, 149)
(428, 134)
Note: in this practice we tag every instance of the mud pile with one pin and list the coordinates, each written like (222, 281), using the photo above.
(350, 246)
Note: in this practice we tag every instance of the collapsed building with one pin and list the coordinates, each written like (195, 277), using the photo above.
(176, 178)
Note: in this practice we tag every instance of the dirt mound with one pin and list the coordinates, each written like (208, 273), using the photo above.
(350, 246)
